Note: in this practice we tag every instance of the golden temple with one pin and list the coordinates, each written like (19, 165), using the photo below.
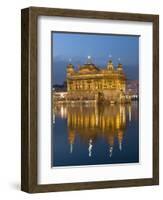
(92, 83)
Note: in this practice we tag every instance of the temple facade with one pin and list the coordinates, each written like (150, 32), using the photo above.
(91, 83)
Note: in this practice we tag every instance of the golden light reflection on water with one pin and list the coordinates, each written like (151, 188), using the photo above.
(93, 121)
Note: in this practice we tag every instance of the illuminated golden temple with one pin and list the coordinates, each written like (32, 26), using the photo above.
(91, 83)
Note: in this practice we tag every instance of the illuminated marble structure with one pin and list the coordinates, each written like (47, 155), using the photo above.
(90, 82)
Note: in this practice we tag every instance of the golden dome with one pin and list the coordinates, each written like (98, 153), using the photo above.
(88, 68)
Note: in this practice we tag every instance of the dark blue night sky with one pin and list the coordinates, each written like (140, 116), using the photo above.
(78, 47)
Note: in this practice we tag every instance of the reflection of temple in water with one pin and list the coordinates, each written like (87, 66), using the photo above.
(90, 122)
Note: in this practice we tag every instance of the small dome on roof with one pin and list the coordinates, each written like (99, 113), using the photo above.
(70, 66)
(119, 68)
(110, 65)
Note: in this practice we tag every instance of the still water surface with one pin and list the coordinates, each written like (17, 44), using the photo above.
(95, 134)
